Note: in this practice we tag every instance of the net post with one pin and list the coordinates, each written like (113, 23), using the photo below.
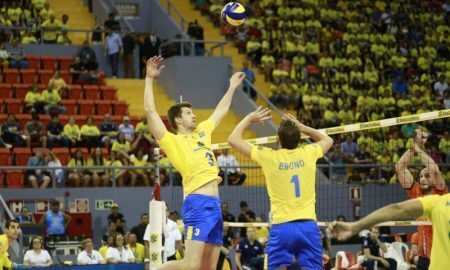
(157, 210)
(157, 186)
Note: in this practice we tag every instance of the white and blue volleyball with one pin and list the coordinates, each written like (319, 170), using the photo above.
(233, 14)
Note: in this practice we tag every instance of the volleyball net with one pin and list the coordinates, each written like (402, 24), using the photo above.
(356, 177)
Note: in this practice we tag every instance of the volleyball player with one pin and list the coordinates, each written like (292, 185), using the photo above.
(434, 207)
(430, 182)
(189, 150)
(290, 176)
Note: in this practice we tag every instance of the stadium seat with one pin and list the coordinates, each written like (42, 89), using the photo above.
(49, 62)
(65, 62)
(85, 151)
(80, 119)
(29, 76)
(65, 74)
(97, 119)
(14, 179)
(134, 120)
(14, 105)
(117, 119)
(5, 157)
(103, 107)
(63, 154)
(45, 119)
(91, 92)
(101, 78)
(70, 105)
(3, 118)
(166, 122)
(86, 107)
(120, 107)
(45, 76)
(23, 119)
(11, 75)
(21, 155)
(42, 87)
(34, 61)
(64, 119)
(108, 92)
(75, 91)
(5, 90)
(21, 90)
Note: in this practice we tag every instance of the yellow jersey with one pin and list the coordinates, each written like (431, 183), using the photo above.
(138, 252)
(4, 256)
(87, 130)
(437, 209)
(192, 156)
(290, 178)
(73, 132)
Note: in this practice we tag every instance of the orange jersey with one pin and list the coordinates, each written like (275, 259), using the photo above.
(425, 233)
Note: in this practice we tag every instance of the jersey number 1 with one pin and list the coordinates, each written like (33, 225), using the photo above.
(296, 182)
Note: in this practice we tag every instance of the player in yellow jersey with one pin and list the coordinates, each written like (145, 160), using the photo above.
(189, 150)
(11, 233)
(434, 207)
(290, 174)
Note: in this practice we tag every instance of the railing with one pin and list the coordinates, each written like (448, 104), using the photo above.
(42, 30)
(173, 12)
(188, 47)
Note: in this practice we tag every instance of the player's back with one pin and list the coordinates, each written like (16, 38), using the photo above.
(290, 178)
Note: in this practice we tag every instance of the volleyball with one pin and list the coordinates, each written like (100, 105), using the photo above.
(233, 14)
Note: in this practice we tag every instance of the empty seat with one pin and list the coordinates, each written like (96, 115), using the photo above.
(21, 90)
(14, 179)
(70, 105)
(11, 75)
(134, 120)
(117, 119)
(34, 61)
(65, 74)
(5, 90)
(91, 92)
(49, 62)
(45, 76)
(65, 62)
(85, 151)
(14, 105)
(120, 107)
(45, 119)
(5, 157)
(97, 119)
(108, 92)
(29, 76)
(86, 107)
(64, 119)
(63, 154)
(80, 119)
(103, 107)
(75, 91)
(21, 155)
(42, 87)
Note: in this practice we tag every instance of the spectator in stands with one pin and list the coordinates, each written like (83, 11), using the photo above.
(108, 131)
(35, 255)
(88, 255)
(78, 175)
(107, 241)
(11, 132)
(143, 139)
(234, 175)
(371, 248)
(96, 37)
(177, 47)
(34, 132)
(348, 146)
(29, 38)
(4, 56)
(98, 176)
(127, 128)
(121, 146)
(81, 73)
(55, 220)
(112, 23)
(338, 173)
(90, 134)
(51, 100)
(112, 228)
(136, 248)
(63, 38)
(117, 175)
(128, 53)
(17, 56)
(250, 76)
(115, 216)
(149, 48)
(46, 11)
(139, 230)
(226, 247)
(57, 175)
(51, 27)
(441, 86)
(59, 84)
(249, 252)
(55, 134)
(38, 175)
(446, 99)
(88, 57)
(113, 47)
(33, 100)
(118, 252)
(246, 215)
(72, 132)
(25, 217)
(373, 177)
(195, 31)
(139, 160)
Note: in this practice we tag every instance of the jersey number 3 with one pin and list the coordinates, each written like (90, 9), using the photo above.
(295, 180)
(209, 156)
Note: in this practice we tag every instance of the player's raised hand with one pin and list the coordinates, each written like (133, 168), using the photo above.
(290, 117)
(259, 116)
(237, 79)
(154, 66)
(342, 230)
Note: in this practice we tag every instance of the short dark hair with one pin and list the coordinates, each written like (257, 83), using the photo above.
(289, 134)
(175, 111)
(9, 221)
(144, 214)
(243, 204)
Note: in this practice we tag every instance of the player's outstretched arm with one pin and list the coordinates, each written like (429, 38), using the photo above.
(236, 139)
(397, 211)
(224, 104)
(322, 139)
(155, 124)
(405, 177)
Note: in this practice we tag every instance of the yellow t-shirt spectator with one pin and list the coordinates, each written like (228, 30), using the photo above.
(117, 146)
(51, 98)
(87, 130)
(50, 34)
(29, 40)
(138, 163)
(58, 83)
(32, 97)
(38, 4)
(141, 127)
(14, 13)
(138, 251)
(72, 132)
(444, 145)
(267, 61)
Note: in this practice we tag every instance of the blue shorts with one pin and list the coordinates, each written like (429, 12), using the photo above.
(202, 217)
(299, 239)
